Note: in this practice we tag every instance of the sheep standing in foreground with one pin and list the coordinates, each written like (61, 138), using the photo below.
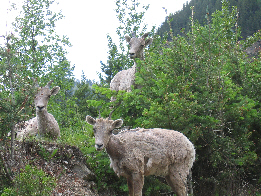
(142, 152)
(44, 123)
(124, 79)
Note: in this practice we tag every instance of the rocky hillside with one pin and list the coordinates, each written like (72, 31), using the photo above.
(66, 163)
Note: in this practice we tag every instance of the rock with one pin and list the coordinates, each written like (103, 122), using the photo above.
(66, 163)
(82, 171)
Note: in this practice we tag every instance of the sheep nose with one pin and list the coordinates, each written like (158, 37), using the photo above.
(99, 146)
(40, 107)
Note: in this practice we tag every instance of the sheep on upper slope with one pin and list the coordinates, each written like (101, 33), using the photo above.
(124, 79)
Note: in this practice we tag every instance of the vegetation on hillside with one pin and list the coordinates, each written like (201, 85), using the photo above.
(197, 80)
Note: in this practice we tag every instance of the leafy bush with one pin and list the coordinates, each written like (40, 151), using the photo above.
(204, 85)
(31, 181)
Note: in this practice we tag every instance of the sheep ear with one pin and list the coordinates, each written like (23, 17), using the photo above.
(145, 35)
(148, 41)
(55, 90)
(90, 120)
(48, 85)
(117, 123)
(127, 38)
(36, 85)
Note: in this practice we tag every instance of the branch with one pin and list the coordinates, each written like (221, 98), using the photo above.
(6, 168)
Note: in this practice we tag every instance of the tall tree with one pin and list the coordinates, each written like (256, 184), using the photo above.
(195, 84)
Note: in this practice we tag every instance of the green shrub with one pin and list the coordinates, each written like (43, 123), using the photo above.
(31, 181)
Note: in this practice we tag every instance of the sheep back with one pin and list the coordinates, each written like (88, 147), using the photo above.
(150, 151)
(123, 80)
(26, 129)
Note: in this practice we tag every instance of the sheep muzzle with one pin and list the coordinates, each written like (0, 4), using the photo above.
(132, 55)
(99, 146)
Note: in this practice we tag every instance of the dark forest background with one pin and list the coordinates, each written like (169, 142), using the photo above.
(249, 15)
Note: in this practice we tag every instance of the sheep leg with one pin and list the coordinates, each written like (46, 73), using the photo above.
(169, 181)
(130, 186)
(177, 183)
(135, 184)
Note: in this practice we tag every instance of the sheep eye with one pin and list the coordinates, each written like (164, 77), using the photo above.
(94, 130)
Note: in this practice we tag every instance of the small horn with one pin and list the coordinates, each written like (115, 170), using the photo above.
(35, 83)
(115, 107)
(49, 83)
(145, 35)
(111, 113)
(99, 114)
(133, 34)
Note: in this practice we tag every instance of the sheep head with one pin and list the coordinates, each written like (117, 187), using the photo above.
(102, 129)
(43, 95)
(137, 45)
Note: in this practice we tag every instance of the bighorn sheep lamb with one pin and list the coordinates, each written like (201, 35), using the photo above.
(44, 123)
(124, 79)
(142, 152)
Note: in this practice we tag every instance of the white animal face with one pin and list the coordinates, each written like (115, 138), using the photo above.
(43, 95)
(137, 45)
(41, 99)
(102, 129)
